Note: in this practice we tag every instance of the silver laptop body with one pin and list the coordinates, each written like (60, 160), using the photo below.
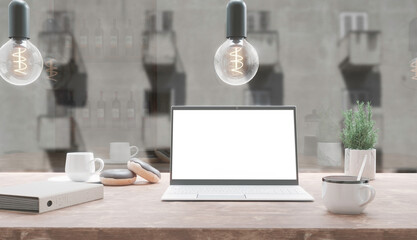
(231, 153)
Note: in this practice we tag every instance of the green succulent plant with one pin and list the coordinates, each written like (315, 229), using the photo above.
(359, 131)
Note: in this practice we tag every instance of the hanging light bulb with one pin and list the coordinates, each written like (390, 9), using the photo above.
(413, 68)
(21, 62)
(236, 61)
(412, 47)
(51, 69)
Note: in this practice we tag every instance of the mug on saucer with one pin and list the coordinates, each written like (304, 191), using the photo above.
(122, 152)
(80, 166)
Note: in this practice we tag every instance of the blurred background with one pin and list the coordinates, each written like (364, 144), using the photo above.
(113, 68)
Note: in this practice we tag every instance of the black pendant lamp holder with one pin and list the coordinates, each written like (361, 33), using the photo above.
(19, 19)
(236, 19)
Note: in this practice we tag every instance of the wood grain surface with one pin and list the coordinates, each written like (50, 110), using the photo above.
(136, 212)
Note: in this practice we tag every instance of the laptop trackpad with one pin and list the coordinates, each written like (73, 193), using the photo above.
(221, 196)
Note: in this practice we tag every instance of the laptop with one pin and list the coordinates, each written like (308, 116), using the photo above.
(234, 154)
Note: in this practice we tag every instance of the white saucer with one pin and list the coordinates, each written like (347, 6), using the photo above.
(93, 179)
(112, 162)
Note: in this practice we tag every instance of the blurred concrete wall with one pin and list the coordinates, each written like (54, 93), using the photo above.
(308, 55)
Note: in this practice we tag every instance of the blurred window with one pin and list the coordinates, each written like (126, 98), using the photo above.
(352, 21)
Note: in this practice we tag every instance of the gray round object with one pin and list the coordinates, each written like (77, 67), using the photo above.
(146, 166)
(344, 179)
(117, 173)
(117, 177)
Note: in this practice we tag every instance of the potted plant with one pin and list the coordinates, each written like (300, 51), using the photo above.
(359, 138)
(329, 147)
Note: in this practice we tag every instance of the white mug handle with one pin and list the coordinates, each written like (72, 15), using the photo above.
(101, 164)
(136, 151)
(371, 197)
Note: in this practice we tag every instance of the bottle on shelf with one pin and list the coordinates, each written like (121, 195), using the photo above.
(86, 115)
(115, 109)
(101, 111)
(83, 38)
(129, 39)
(68, 42)
(114, 39)
(98, 40)
(131, 112)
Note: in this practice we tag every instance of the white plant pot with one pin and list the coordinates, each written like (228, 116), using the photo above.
(354, 159)
(329, 154)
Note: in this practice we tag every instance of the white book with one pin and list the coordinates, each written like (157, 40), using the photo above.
(46, 196)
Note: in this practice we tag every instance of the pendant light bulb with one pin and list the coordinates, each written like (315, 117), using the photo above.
(21, 62)
(236, 61)
(412, 47)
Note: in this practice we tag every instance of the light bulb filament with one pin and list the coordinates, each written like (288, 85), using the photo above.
(51, 70)
(236, 60)
(20, 61)
(413, 66)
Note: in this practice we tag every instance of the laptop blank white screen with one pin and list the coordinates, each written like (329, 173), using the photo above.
(234, 144)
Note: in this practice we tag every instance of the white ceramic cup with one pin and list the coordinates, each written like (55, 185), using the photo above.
(122, 152)
(346, 195)
(80, 166)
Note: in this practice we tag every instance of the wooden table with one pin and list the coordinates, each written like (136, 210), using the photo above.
(136, 212)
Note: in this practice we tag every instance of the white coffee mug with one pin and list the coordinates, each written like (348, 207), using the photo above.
(346, 195)
(122, 152)
(80, 166)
